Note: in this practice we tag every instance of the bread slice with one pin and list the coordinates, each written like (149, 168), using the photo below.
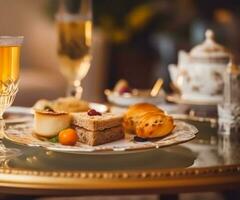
(97, 122)
(97, 137)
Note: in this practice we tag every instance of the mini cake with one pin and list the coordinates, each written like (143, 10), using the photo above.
(49, 124)
(94, 128)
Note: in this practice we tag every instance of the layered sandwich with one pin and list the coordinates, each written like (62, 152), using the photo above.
(94, 128)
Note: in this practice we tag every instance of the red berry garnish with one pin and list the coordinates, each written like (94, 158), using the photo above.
(93, 112)
(124, 90)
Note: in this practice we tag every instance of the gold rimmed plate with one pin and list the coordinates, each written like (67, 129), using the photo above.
(23, 134)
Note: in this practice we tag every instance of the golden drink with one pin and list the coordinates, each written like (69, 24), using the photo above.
(74, 42)
(9, 63)
(9, 74)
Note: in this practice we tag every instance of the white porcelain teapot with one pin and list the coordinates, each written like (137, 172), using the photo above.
(199, 74)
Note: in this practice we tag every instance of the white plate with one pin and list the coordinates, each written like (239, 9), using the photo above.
(17, 114)
(128, 99)
(23, 134)
(176, 98)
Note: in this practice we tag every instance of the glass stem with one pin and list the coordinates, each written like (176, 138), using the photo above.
(69, 91)
(74, 89)
(2, 126)
(78, 89)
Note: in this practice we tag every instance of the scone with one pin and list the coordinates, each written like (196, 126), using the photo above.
(49, 124)
(134, 113)
(70, 104)
(154, 124)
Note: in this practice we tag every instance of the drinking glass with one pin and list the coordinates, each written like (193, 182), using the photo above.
(74, 26)
(10, 48)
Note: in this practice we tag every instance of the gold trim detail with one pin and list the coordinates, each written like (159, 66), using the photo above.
(15, 181)
(148, 174)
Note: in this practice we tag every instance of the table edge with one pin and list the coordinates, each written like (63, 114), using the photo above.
(159, 179)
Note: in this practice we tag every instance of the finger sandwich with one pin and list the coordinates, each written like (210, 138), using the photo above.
(95, 128)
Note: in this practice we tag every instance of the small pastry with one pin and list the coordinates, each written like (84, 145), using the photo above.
(70, 104)
(154, 124)
(147, 121)
(42, 104)
(134, 113)
(49, 124)
(64, 104)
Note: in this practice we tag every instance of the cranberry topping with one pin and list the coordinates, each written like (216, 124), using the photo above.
(124, 90)
(93, 112)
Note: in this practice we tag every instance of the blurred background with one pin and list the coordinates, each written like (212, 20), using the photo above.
(135, 40)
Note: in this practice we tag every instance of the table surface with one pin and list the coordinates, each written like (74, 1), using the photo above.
(209, 162)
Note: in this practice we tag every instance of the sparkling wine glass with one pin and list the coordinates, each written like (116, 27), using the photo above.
(10, 48)
(74, 26)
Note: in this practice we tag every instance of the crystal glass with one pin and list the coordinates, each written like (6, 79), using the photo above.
(74, 26)
(10, 48)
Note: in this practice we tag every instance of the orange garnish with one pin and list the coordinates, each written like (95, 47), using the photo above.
(68, 137)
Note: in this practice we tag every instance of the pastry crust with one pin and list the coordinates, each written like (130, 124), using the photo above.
(64, 104)
(154, 124)
(70, 104)
(135, 112)
(147, 121)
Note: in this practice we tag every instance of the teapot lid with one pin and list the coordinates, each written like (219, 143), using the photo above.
(209, 48)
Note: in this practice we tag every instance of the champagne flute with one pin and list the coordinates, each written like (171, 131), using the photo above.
(10, 48)
(74, 25)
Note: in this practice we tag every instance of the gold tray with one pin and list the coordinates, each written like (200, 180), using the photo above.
(197, 165)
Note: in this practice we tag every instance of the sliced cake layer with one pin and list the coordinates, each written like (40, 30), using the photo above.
(98, 137)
